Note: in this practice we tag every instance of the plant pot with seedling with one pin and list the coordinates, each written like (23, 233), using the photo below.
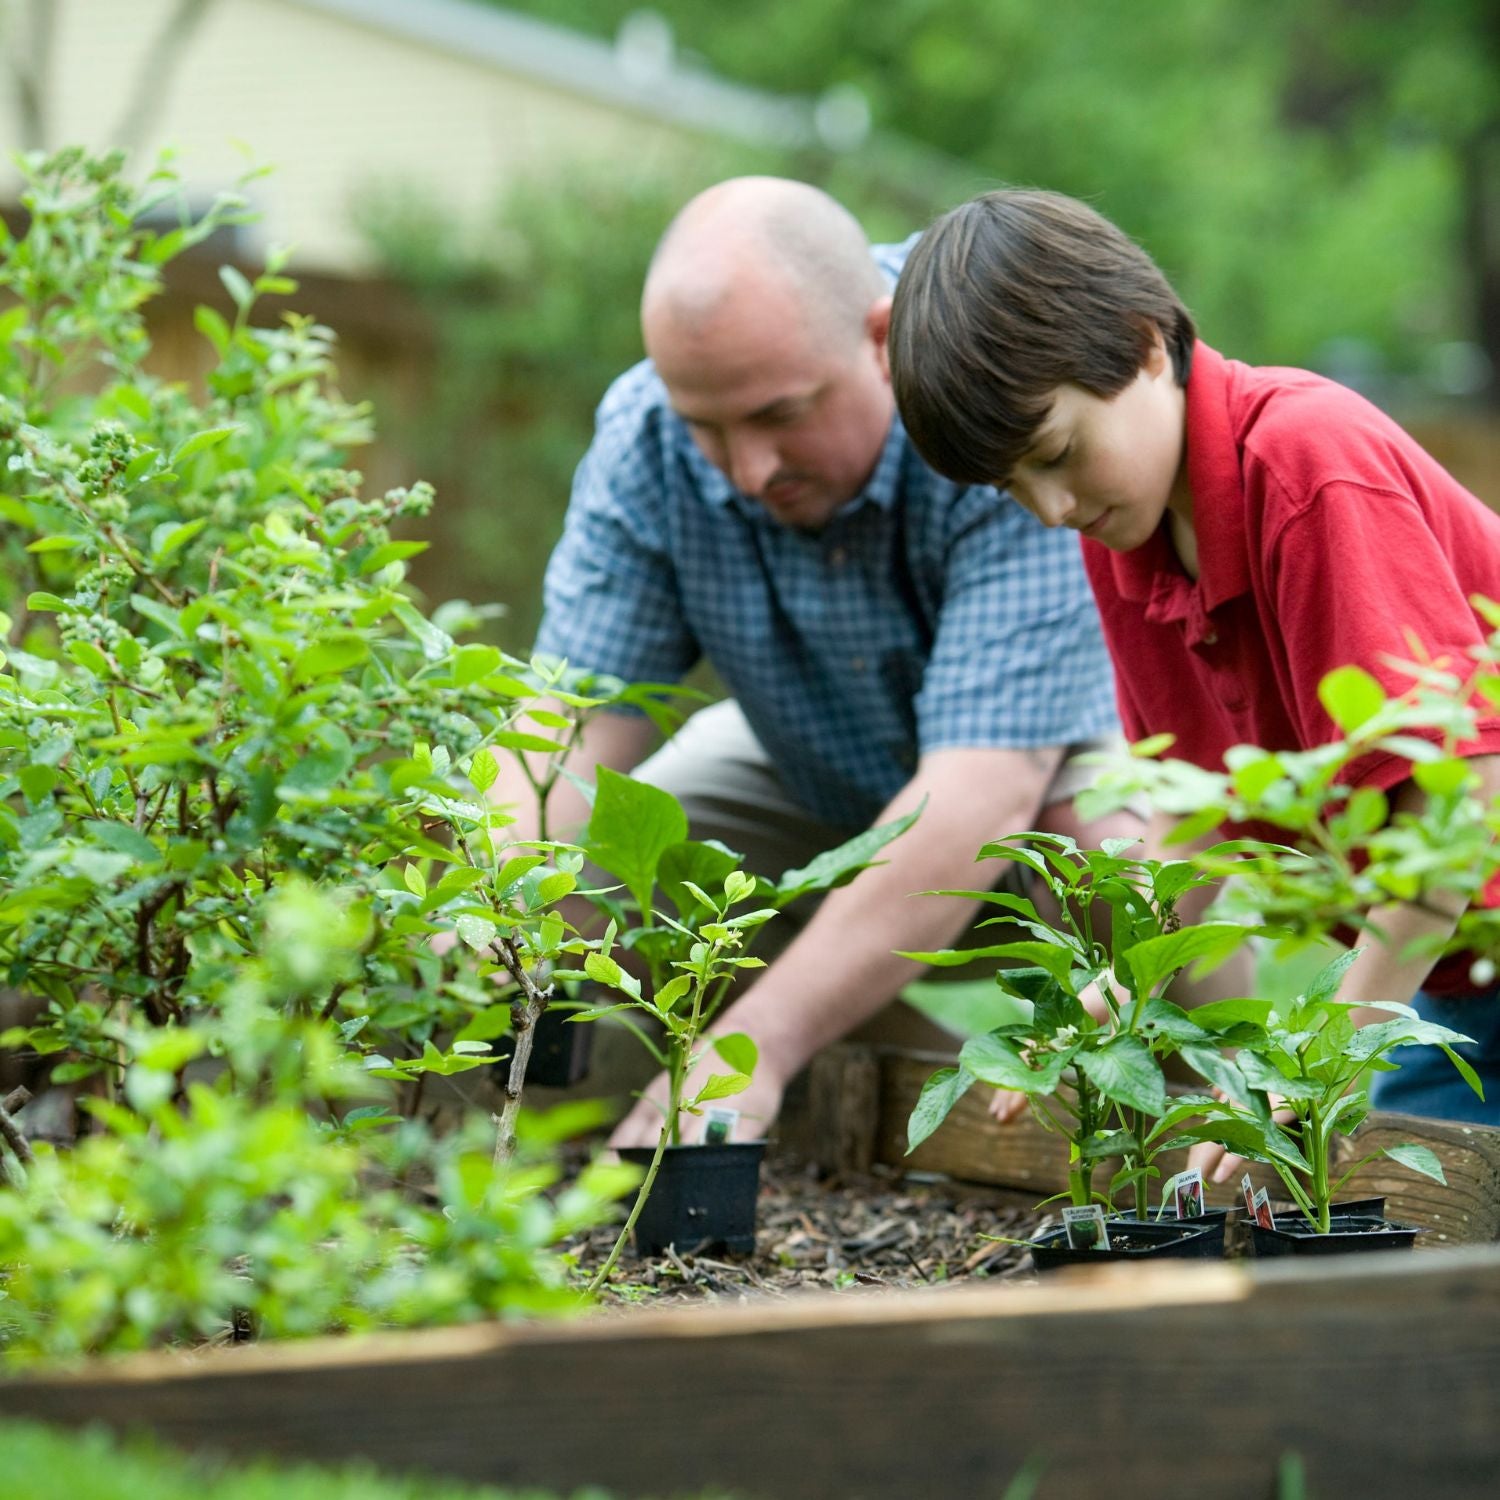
(1089, 1054)
(1308, 1062)
(700, 1185)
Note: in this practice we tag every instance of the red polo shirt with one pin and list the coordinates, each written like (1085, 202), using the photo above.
(1326, 538)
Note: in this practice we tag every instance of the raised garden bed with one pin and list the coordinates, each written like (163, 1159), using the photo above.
(895, 1395)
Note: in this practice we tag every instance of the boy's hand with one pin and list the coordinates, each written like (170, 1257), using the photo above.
(1010, 1104)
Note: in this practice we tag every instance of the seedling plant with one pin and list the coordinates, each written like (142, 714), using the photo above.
(1088, 1054)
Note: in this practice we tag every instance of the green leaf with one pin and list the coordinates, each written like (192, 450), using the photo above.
(477, 932)
(999, 1062)
(707, 865)
(939, 1094)
(1124, 1070)
(169, 537)
(327, 657)
(483, 770)
(37, 781)
(199, 442)
(45, 603)
(721, 1086)
(241, 293)
(515, 739)
(1220, 1015)
(1441, 778)
(671, 992)
(1419, 1159)
(1159, 1018)
(212, 326)
(390, 552)
(1465, 1069)
(738, 1050)
(436, 644)
(1156, 959)
(90, 658)
(57, 544)
(836, 867)
(1351, 697)
(473, 662)
(631, 827)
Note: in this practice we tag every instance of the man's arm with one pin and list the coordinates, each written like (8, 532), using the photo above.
(842, 967)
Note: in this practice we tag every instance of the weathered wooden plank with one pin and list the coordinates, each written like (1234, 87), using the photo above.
(1465, 1211)
(1127, 1383)
(973, 1147)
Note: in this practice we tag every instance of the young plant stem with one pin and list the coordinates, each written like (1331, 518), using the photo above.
(525, 1012)
(668, 1129)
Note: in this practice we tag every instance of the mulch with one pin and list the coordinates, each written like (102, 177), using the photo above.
(871, 1233)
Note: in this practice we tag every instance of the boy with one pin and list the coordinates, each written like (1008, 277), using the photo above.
(1245, 530)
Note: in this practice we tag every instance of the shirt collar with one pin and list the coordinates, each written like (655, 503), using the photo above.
(1152, 573)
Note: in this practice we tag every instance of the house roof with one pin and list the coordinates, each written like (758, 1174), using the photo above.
(648, 79)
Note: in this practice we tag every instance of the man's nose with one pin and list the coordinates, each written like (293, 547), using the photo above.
(751, 462)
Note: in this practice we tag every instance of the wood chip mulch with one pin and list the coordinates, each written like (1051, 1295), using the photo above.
(856, 1234)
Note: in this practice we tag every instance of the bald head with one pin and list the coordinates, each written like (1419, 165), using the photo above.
(750, 235)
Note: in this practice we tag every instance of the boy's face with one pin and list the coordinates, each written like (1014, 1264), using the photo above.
(1110, 469)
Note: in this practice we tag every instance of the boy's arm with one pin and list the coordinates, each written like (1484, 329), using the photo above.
(842, 967)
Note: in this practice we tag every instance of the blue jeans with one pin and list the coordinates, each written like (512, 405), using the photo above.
(1427, 1083)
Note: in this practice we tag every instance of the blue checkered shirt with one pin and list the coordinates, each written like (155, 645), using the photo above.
(925, 615)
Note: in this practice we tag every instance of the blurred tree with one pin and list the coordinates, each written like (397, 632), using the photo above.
(1307, 170)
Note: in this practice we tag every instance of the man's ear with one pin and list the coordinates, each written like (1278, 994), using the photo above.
(878, 328)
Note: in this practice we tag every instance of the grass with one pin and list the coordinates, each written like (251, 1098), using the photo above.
(42, 1463)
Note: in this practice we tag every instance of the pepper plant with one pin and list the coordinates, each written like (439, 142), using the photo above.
(1098, 1026)
(1308, 1059)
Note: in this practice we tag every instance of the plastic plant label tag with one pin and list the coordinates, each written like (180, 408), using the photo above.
(1248, 1188)
(1263, 1215)
(1085, 1227)
(1187, 1194)
(718, 1126)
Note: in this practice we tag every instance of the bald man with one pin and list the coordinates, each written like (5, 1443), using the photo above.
(886, 635)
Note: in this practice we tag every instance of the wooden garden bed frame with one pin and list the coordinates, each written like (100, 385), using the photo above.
(1127, 1383)
(1124, 1382)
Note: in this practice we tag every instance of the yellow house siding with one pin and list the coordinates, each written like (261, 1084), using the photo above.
(333, 104)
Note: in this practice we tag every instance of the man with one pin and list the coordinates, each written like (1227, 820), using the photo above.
(887, 636)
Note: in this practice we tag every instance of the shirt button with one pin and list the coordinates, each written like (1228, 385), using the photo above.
(857, 663)
(1211, 638)
(838, 557)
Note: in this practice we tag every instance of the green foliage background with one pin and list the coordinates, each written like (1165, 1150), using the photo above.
(1316, 175)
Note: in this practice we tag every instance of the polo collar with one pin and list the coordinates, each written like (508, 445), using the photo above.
(1152, 574)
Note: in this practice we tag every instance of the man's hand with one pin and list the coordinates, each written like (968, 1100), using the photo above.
(758, 1106)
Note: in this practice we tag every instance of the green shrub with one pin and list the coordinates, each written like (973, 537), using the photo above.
(241, 778)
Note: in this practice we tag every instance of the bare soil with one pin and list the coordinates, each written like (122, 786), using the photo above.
(885, 1230)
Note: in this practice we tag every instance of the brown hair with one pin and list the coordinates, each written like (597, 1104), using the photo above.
(1004, 299)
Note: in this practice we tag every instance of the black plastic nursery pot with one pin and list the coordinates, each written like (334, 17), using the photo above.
(1347, 1234)
(1135, 1239)
(1213, 1221)
(703, 1197)
(560, 1050)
